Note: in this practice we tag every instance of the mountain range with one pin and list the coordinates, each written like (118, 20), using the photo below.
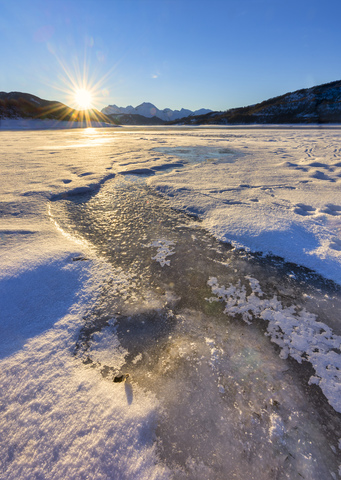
(149, 110)
(316, 105)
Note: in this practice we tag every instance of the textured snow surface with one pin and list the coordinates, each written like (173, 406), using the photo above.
(279, 192)
(59, 419)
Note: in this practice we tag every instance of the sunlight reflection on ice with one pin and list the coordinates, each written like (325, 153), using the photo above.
(200, 153)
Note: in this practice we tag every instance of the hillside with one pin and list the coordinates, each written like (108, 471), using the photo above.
(319, 104)
(25, 105)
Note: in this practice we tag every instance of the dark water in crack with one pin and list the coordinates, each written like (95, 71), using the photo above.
(231, 407)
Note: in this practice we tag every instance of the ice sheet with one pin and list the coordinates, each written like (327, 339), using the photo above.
(278, 191)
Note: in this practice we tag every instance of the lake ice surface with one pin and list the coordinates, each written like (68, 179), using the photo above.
(226, 395)
(121, 282)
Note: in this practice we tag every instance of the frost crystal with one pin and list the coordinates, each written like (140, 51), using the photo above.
(296, 332)
(163, 251)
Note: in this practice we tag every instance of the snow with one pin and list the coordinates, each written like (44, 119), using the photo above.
(105, 347)
(278, 193)
(59, 420)
(58, 417)
(163, 251)
(297, 333)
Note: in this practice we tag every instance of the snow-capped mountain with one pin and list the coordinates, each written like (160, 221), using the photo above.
(149, 110)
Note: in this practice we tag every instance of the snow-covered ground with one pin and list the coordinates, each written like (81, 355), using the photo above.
(56, 421)
(278, 190)
(269, 190)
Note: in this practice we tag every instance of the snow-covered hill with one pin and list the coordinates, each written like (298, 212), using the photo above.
(149, 110)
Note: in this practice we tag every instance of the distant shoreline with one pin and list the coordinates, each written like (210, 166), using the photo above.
(47, 124)
(38, 124)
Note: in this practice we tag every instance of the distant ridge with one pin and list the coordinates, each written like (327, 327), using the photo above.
(148, 110)
(25, 105)
(134, 119)
(316, 105)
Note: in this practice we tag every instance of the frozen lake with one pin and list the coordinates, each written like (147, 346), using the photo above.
(228, 399)
(233, 356)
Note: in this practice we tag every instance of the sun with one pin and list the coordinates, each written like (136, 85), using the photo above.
(83, 99)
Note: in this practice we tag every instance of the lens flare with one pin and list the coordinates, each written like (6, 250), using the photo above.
(83, 88)
(83, 99)
(82, 94)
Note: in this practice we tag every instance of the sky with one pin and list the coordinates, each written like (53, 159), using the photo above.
(193, 54)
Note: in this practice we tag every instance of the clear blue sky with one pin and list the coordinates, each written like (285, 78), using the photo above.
(215, 54)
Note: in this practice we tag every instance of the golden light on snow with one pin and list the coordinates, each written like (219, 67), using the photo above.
(83, 99)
